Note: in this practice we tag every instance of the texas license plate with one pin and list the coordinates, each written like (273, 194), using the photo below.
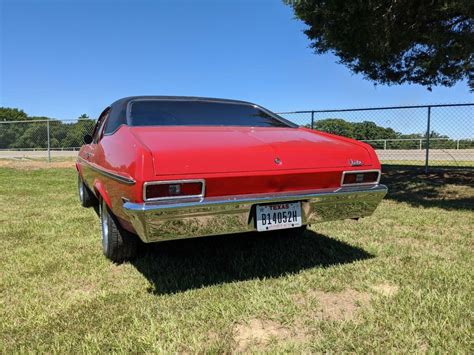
(278, 216)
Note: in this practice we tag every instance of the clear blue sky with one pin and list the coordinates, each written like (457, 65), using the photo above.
(65, 58)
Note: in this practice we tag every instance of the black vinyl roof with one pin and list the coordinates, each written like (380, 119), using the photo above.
(126, 100)
(118, 109)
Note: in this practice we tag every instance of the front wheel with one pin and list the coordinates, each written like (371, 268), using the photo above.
(118, 244)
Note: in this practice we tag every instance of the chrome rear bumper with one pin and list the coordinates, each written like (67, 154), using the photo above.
(159, 221)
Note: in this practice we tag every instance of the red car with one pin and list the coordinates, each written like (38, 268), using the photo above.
(164, 168)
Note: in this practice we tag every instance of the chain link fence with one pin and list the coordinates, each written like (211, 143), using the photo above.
(430, 135)
(434, 135)
(43, 138)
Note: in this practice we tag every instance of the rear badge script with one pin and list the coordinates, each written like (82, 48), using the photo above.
(355, 162)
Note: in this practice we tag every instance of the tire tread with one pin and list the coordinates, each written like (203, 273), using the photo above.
(122, 245)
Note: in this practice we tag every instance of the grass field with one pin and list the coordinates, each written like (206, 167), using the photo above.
(398, 281)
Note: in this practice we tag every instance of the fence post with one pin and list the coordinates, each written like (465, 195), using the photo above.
(428, 130)
(312, 119)
(421, 141)
(384, 144)
(49, 144)
(457, 144)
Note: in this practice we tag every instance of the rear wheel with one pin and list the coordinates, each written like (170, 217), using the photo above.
(86, 197)
(118, 244)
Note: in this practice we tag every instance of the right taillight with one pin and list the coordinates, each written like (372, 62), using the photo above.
(360, 177)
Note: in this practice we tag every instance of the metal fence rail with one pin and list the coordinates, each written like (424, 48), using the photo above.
(420, 143)
(423, 135)
(43, 138)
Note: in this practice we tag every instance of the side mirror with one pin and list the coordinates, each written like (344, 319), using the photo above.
(87, 139)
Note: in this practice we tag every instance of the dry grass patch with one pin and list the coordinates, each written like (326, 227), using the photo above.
(259, 333)
(333, 306)
(29, 164)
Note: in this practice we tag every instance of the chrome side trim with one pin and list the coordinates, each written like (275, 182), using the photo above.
(361, 171)
(114, 176)
(166, 220)
(163, 182)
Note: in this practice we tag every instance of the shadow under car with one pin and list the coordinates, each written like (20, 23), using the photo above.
(181, 265)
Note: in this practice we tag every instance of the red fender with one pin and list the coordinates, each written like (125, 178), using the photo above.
(101, 192)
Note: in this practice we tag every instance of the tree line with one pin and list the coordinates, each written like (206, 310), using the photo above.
(24, 133)
(367, 130)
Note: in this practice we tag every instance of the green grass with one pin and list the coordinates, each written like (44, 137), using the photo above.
(398, 281)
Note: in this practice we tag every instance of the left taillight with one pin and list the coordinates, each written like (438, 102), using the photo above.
(166, 190)
(360, 177)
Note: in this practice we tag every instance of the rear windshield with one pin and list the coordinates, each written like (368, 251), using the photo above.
(200, 113)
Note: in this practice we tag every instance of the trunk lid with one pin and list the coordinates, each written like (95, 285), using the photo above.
(203, 150)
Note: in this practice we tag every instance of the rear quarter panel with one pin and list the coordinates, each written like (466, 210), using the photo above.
(120, 154)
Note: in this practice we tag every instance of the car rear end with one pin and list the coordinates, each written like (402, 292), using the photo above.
(170, 217)
(210, 179)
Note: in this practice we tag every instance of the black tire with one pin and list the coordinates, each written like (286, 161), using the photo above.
(86, 197)
(118, 244)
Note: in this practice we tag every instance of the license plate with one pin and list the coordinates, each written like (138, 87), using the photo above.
(278, 216)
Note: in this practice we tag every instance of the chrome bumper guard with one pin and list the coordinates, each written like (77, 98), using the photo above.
(158, 221)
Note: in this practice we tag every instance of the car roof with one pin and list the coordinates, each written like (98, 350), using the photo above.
(126, 100)
(118, 109)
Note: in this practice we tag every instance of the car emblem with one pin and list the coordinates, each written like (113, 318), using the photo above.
(355, 162)
(277, 161)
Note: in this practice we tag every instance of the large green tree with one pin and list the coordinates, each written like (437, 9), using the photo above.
(426, 42)
(12, 114)
(335, 126)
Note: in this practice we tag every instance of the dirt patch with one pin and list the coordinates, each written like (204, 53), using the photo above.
(28, 164)
(334, 306)
(259, 333)
(212, 336)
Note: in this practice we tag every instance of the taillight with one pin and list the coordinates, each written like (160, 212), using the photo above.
(173, 189)
(360, 177)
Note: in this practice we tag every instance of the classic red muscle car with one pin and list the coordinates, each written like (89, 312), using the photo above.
(164, 168)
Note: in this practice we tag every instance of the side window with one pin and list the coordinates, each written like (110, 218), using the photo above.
(99, 127)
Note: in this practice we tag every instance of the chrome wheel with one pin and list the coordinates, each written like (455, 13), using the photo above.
(117, 244)
(104, 218)
(81, 190)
